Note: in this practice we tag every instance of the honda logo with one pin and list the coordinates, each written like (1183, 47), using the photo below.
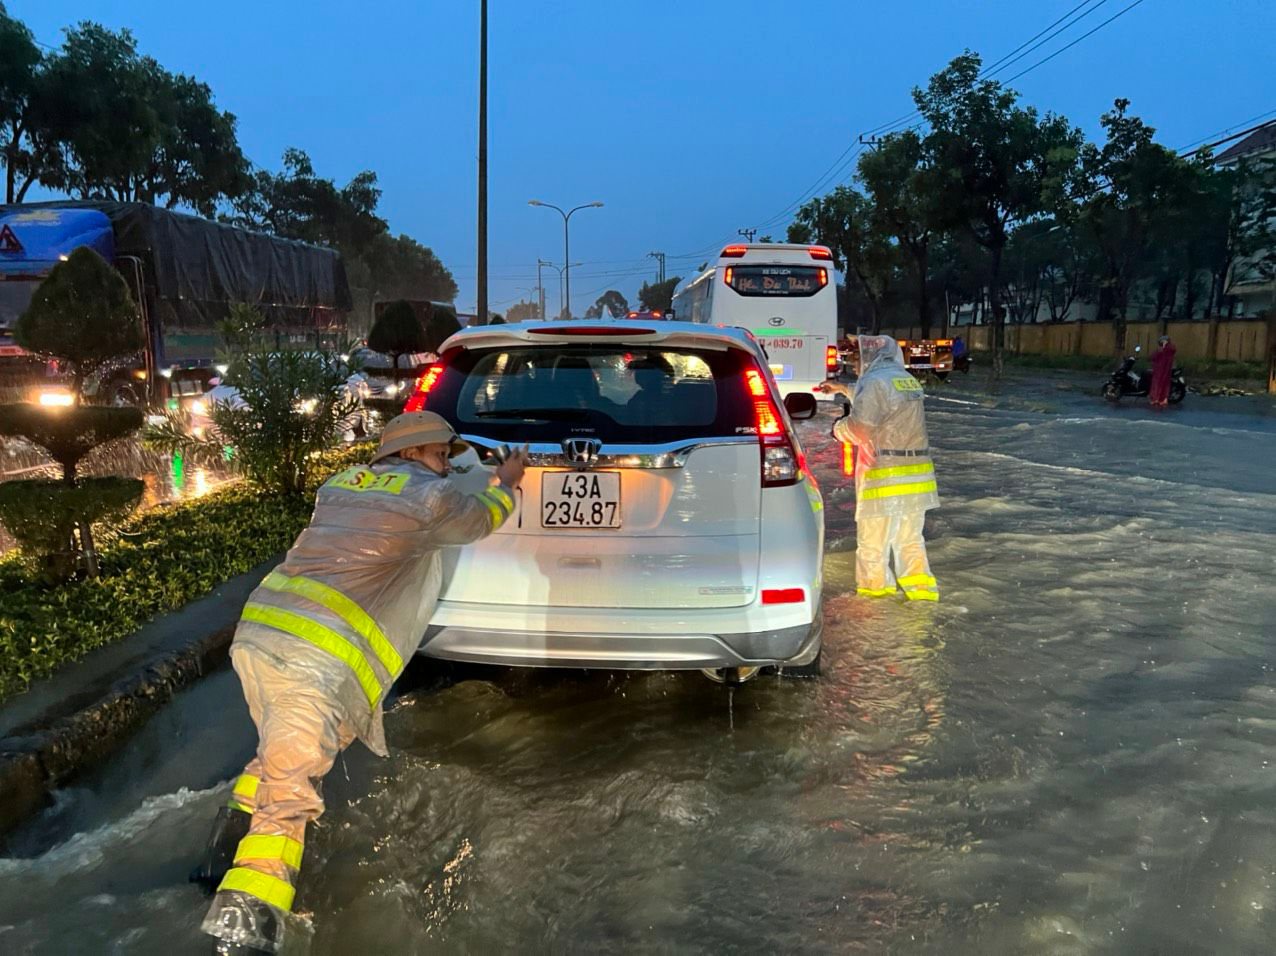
(581, 453)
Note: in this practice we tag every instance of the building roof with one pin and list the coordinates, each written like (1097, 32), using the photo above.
(1260, 141)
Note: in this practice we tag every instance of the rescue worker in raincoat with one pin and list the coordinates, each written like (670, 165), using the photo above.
(319, 644)
(894, 474)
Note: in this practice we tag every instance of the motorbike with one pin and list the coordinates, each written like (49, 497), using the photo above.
(962, 363)
(1125, 381)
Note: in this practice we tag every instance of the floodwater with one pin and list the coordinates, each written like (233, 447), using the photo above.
(166, 477)
(1072, 753)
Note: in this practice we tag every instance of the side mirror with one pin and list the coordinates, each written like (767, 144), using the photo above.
(800, 405)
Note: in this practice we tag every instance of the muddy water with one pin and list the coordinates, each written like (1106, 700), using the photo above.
(1071, 753)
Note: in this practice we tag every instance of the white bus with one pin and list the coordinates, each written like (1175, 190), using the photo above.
(786, 295)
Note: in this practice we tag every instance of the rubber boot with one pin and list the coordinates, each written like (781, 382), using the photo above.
(229, 828)
(241, 924)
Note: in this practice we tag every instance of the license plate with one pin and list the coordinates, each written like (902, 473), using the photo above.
(580, 499)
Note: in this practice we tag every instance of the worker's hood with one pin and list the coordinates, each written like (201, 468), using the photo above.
(879, 351)
(35, 240)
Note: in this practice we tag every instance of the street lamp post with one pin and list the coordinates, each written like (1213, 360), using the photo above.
(567, 273)
(561, 295)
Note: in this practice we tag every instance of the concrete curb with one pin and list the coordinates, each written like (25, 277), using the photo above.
(78, 719)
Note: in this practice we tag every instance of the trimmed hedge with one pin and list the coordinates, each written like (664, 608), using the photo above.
(164, 559)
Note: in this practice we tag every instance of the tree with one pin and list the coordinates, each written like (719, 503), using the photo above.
(613, 302)
(842, 220)
(115, 124)
(998, 163)
(400, 268)
(82, 314)
(523, 312)
(397, 332)
(440, 325)
(901, 185)
(1132, 188)
(21, 70)
(658, 296)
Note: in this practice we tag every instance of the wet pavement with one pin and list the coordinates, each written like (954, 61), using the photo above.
(1071, 753)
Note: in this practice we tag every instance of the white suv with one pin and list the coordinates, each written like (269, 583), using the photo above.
(668, 519)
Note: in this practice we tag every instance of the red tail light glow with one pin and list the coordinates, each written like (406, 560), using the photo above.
(734, 251)
(830, 358)
(728, 275)
(429, 378)
(781, 462)
(824, 277)
(820, 252)
(848, 459)
(783, 595)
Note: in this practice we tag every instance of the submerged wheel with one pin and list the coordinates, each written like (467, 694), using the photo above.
(1112, 392)
(730, 675)
(1178, 392)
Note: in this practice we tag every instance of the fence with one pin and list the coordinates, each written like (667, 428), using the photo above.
(1250, 340)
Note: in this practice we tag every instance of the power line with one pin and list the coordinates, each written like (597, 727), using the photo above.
(1228, 139)
(1069, 46)
(1228, 129)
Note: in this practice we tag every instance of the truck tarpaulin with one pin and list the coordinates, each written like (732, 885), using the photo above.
(195, 267)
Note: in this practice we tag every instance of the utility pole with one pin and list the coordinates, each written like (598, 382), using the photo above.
(871, 141)
(482, 167)
(747, 233)
(540, 286)
(660, 268)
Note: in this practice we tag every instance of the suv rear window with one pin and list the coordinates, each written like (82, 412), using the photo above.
(620, 394)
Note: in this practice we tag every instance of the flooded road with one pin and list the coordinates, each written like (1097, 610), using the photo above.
(1071, 753)
(166, 477)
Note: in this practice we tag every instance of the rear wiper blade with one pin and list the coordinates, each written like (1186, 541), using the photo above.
(540, 415)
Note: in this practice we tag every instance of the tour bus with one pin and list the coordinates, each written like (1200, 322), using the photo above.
(786, 295)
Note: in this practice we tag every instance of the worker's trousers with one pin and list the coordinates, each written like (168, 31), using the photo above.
(889, 551)
(300, 732)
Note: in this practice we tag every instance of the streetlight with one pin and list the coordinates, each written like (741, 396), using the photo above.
(567, 274)
(560, 270)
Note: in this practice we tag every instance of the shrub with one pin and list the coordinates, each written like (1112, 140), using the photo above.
(397, 332)
(171, 556)
(83, 314)
(43, 514)
(294, 406)
(68, 434)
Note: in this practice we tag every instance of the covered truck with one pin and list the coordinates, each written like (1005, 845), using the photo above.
(185, 273)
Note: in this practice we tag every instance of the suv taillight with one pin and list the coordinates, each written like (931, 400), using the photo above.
(830, 358)
(781, 464)
(427, 381)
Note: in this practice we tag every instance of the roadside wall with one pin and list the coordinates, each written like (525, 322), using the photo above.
(1234, 341)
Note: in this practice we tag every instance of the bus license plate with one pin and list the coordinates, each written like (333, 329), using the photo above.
(580, 499)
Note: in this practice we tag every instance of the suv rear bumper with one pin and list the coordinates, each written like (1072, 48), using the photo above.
(639, 648)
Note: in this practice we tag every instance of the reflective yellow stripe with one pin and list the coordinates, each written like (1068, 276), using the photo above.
(497, 506)
(321, 637)
(890, 491)
(283, 848)
(899, 471)
(909, 384)
(913, 579)
(360, 478)
(269, 889)
(359, 620)
(922, 595)
(875, 592)
(246, 786)
(503, 497)
(236, 805)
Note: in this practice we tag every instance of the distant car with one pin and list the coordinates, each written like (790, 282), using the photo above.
(647, 315)
(668, 519)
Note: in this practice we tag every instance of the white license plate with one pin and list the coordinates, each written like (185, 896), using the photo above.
(580, 499)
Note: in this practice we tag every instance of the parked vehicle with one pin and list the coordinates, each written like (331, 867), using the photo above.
(785, 295)
(184, 273)
(1125, 381)
(668, 519)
